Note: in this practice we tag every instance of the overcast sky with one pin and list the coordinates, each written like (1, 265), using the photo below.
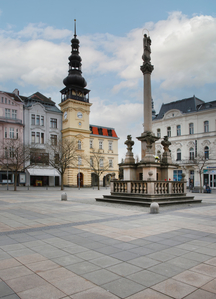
(35, 46)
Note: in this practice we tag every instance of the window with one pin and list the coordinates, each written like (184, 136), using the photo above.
(39, 158)
(110, 163)
(42, 138)
(2, 100)
(178, 158)
(110, 145)
(38, 137)
(11, 133)
(79, 161)
(206, 152)
(191, 153)
(38, 120)
(56, 158)
(5, 132)
(101, 163)
(17, 134)
(169, 131)
(91, 162)
(42, 120)
(12, 103)
(11, 152)
(159, 133)
(53, 123)
(33, 119)
(91, 143)
(79, 145)
(54, 139)
(100, 144)
(178, 130)
(5, 100)
(191, 128)
(177, 175)
(33, 137)
(206, 126)
(9, 102)
(14, 114)
(6, 152)
(7, 113)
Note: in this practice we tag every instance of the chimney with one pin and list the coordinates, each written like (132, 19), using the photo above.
(16, 92)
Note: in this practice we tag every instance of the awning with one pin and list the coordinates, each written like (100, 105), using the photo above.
(43, 172)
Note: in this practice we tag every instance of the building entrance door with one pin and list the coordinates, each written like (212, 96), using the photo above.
(80, 179)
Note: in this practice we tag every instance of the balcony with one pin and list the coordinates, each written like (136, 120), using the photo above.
(10, 120)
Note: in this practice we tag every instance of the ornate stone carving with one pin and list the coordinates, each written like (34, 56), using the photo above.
(129, 155)
(206, 142)
(190, 144)
(146, 68)
(129, 142)
(166, 143)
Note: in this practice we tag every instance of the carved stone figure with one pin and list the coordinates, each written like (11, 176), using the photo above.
(166, 143)
(129, 142)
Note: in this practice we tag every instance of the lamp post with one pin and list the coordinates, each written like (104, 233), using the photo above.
(7, 172)
(79, 178)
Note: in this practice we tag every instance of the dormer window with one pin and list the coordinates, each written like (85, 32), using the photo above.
(100, 131)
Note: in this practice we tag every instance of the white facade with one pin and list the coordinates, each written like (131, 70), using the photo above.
(42, 125)
(192, 132)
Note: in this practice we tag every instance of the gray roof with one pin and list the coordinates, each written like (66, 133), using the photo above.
(185, 106)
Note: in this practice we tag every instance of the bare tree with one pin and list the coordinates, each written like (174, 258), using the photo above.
(200, 162)
(97, 164)
(15, 156)
(62, 154)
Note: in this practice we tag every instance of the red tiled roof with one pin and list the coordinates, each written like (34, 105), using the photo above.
(96, 130)
(114, 133)
(105, 132)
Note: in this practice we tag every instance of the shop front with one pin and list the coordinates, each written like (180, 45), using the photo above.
(39, 177)
(209, 176)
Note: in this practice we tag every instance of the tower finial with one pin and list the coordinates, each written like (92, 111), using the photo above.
(75, 28)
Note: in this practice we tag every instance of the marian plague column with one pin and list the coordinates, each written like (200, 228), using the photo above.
(147, 138)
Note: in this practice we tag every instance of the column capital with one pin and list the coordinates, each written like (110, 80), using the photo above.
(146, 68)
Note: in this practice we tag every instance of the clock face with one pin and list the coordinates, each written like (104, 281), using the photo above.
(79, 115)
(65, 115)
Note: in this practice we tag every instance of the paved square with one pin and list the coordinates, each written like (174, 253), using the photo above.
(81, 248)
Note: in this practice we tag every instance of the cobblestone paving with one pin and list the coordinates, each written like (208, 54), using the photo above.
(81, 248)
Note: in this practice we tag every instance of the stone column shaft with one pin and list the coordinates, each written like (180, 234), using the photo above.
(147, 103)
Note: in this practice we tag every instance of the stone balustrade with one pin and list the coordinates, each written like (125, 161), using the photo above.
(148, 187)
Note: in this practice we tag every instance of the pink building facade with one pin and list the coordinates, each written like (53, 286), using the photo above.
(11, 125)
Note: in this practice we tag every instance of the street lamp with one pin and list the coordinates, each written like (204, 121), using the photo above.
(6, 152)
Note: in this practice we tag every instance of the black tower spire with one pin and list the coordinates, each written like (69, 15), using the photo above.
(74, 82)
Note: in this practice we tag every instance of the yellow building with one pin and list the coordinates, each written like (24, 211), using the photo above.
(75, 124)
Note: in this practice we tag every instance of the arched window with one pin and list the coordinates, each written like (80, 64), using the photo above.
(79, 145)
(178, 157)
(159, 133)
(206, 126)
(191, 128)
(206, 152)
(191, 153)
(169, 131)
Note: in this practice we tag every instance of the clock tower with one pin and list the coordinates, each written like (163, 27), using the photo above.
(75, 123)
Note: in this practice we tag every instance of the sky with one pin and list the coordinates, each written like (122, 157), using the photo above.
(35, 45)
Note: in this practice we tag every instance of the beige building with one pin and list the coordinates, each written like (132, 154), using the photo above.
(75, 125)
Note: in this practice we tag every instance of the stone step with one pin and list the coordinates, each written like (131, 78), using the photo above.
(147, 198)
(147, 201)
